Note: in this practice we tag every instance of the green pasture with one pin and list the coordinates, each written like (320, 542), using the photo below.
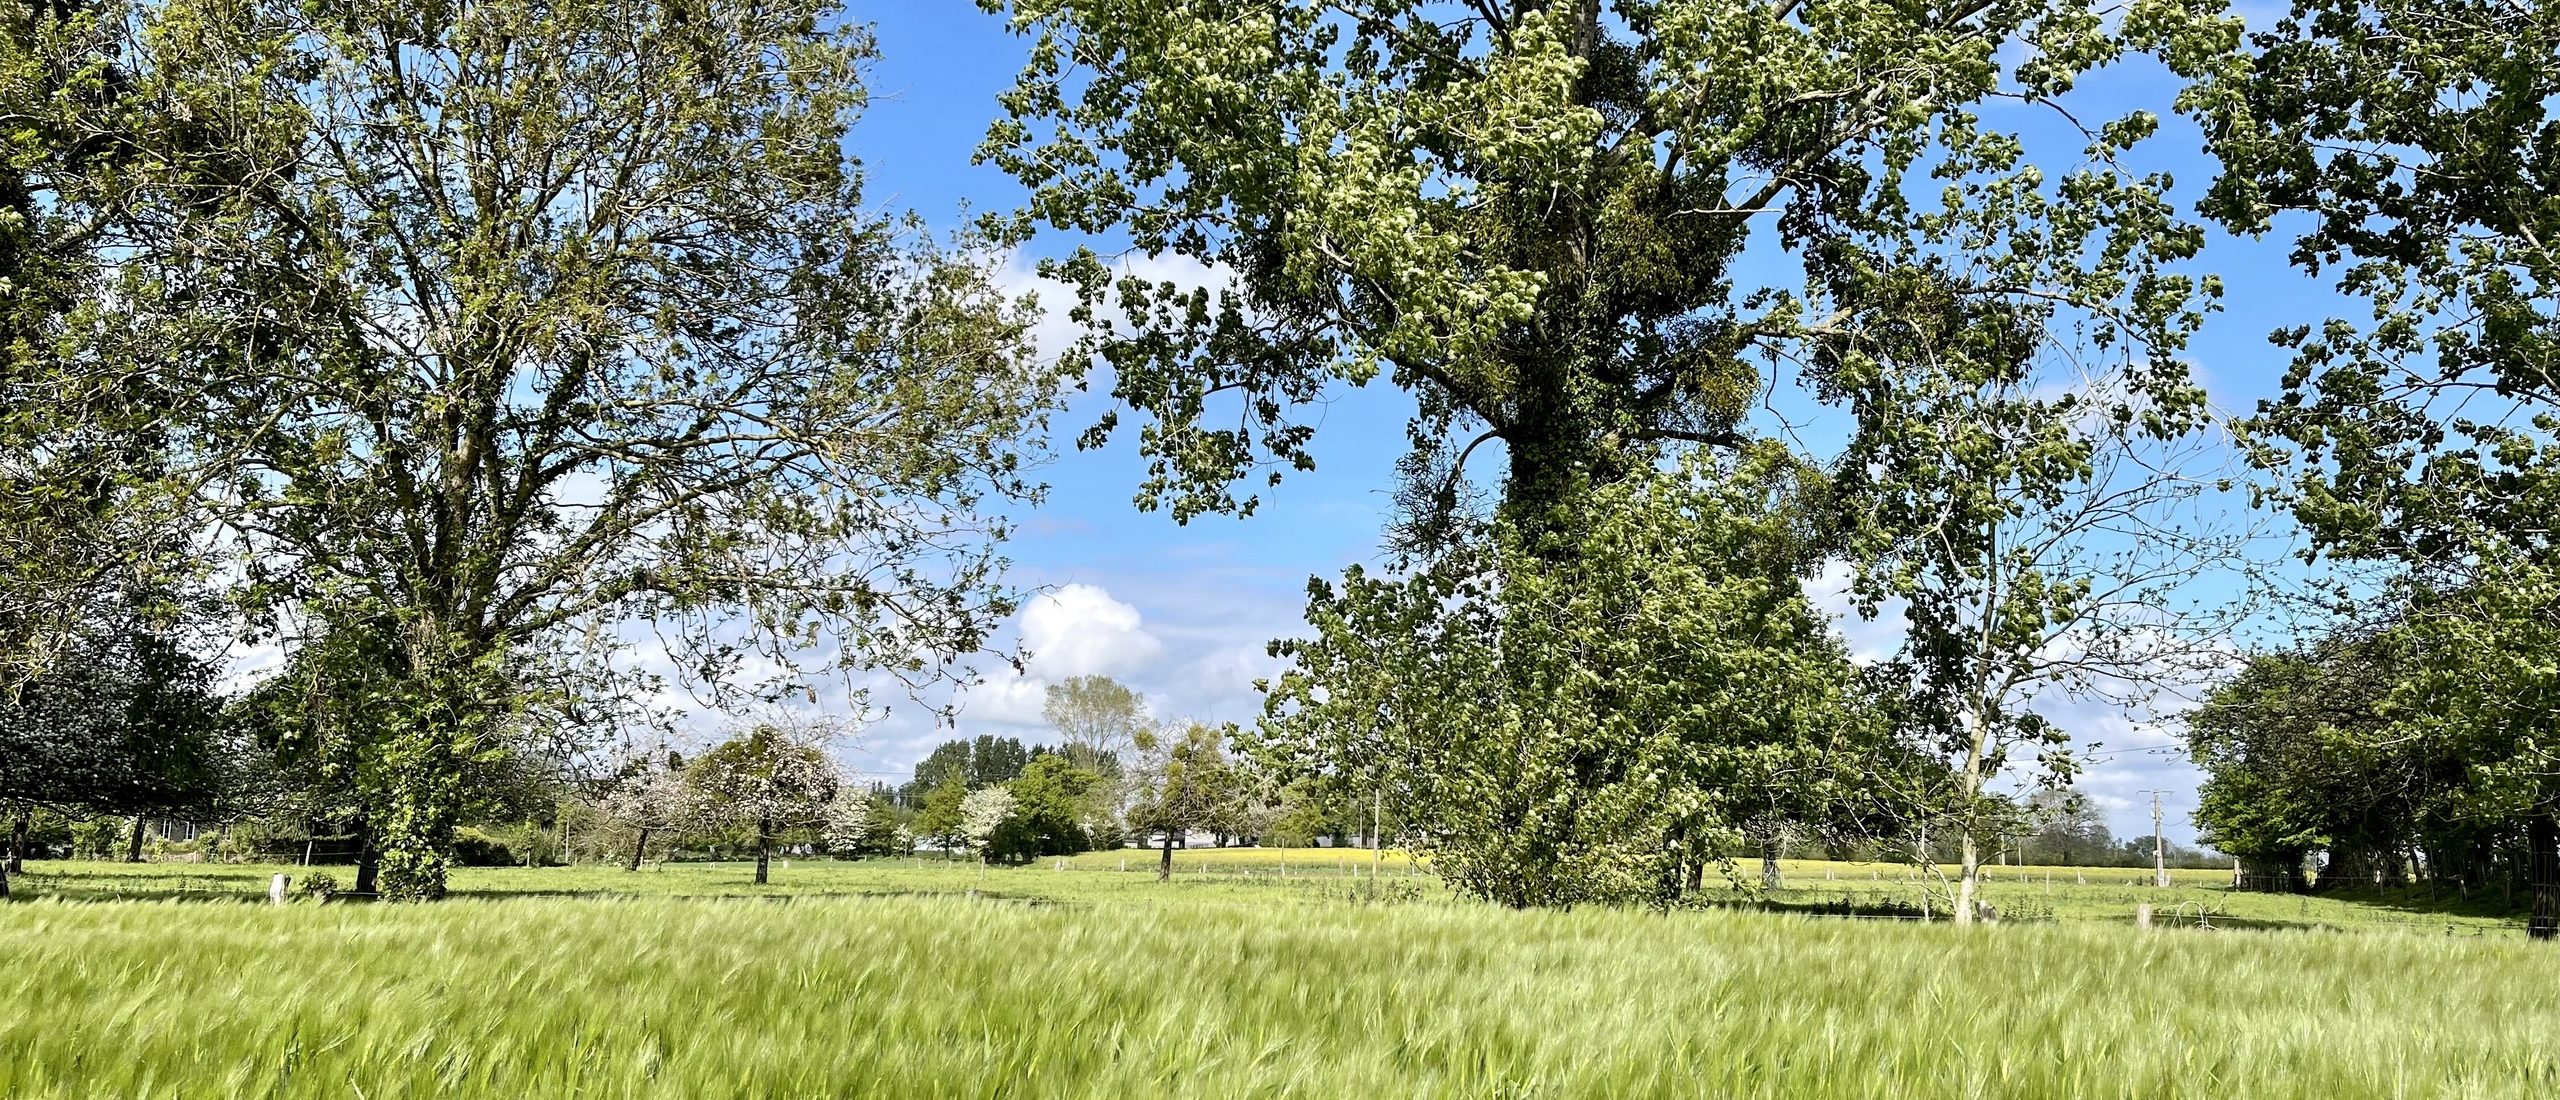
(689, 982)
(1318, 876)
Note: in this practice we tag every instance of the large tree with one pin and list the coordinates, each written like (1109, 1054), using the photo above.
(1097, 719)
(2408, 146)
(985, 761)
(1533, 214)
(1585, 237)
(1051, 798)
(552, 324)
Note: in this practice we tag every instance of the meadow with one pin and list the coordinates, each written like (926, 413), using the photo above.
(926, 979)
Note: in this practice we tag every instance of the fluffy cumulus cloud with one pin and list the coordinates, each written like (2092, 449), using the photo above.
(1192, 643)
(1072, 630)
(1080, 630)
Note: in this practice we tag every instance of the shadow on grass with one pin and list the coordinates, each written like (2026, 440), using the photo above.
(775, 894)
(75, 886)
(2438, 901)
(1845, 907)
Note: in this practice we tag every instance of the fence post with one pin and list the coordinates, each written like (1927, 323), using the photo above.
(275, 889)
(2142, 915)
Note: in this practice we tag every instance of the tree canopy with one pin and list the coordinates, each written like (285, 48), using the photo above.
(2407, 148)
(1593, 240)
(527, 326)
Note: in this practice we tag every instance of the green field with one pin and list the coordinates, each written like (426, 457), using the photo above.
(935, 979)
(2026, 895)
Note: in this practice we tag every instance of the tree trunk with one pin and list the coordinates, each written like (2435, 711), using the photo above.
(2392, 869)
(764, 850)
(1965, 879)
(2348, 866)
(2542, 840)
(18, 842)
(133, 846)
(639, 849)
(421, 808)
(1769, 877)
(1164, 865)
(368, 859)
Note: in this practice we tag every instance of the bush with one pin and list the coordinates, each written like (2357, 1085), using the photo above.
(1105, 833)
(506, 846)
(250, 840)
(318, 886)
(99, 837)
(477, 848)
(49, 835)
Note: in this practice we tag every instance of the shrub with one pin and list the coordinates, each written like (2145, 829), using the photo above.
(99, 837)
(318, 886)
(477, 848)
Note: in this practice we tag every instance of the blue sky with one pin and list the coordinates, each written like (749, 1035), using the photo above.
(1183, 612)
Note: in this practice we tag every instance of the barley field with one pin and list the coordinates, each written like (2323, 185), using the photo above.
(935, 980)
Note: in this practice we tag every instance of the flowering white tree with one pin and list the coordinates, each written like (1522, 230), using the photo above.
(647, 795)
(856, 822)
(776, 775)
(982, 815)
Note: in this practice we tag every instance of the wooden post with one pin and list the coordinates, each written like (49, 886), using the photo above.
(2142, 915)
(2542, 868)
(275, 889)
(2159, 847)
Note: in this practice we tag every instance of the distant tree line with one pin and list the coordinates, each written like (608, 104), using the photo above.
(2372, 758)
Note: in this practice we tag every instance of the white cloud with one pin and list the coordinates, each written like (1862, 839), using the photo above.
(1072, 630)
(1870, 640)
(1012, 700)
(1080, 630)
(1056, 330)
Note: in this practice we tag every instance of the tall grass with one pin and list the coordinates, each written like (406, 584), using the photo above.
(952, 996)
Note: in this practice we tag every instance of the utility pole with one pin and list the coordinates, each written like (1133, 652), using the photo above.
(2159, 846)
